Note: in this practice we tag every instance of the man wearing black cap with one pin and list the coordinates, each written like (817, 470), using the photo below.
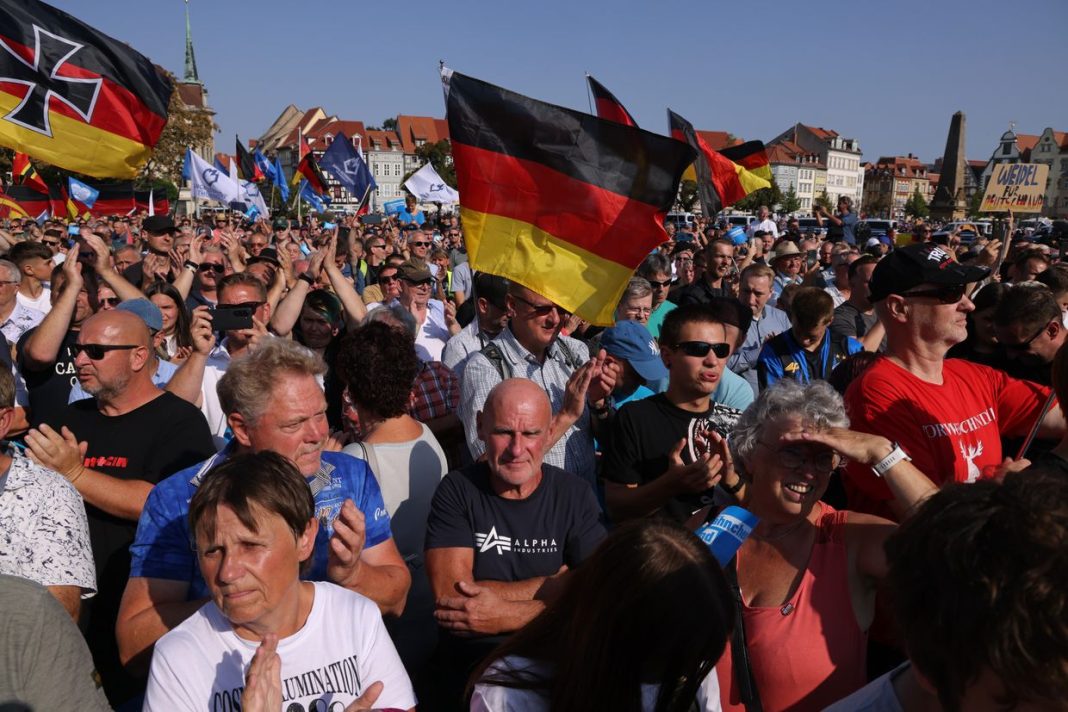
(947, 415)
(491, 316)
(666, 451)
(159, 240)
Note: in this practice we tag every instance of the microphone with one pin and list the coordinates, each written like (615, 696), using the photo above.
(724, 534)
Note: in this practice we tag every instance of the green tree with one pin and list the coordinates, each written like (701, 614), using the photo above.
(790, 203)
(186, 127)
(687, 195)
(438, 155)
(389, 124)
(878, 205)
(916, 207)
(824, 201)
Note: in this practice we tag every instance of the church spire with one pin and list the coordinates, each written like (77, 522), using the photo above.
(191, 76)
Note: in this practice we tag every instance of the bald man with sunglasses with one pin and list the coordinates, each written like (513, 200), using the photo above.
(947, 415)
(113, 448)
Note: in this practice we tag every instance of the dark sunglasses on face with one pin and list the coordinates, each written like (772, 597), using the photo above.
(210, 267)
(944, 295)
(419, 244)
(660, 285)
(388, 278)
(50, 243)
(95, 352)
(419, 283)
(109, 301)
(543, 310)
(700, 349)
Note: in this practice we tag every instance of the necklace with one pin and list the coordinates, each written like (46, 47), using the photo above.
(784, 533)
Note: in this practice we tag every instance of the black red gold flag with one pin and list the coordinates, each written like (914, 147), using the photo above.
(607, 105)
(74, 97)
(23, 173)
(246, 165)
(309, 168)
(751, 156)
(564, 203)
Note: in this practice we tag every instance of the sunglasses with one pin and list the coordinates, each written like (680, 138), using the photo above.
(210, 267)
(251, 306)
(418, 244)
(543, 310)
(700, 349)
(378, 247)
(419, 283)
(97, 351)
(50, 243)
(1022, 346)
(109, 301)
(660, 285)
(944, 295)
(388, 279)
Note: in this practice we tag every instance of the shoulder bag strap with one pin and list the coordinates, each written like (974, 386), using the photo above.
(743, 667)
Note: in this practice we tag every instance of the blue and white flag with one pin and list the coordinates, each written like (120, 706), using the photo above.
(428, 187)
(84, 194)
(345, 164)
(253, 198)
(393, 207)
(207, 181)
(309, 195)
(280, 179)
(265, 166)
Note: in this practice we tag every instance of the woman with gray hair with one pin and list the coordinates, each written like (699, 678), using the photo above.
(806, 578)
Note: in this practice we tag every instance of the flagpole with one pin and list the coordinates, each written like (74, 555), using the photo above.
(589, 97)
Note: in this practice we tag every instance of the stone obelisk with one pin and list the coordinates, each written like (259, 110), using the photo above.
(948, 202)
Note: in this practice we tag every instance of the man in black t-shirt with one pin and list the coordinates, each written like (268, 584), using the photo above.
(502, 530)
(113, 448)
(667, 451)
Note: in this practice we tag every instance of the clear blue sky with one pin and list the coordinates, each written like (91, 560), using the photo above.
(889, 74)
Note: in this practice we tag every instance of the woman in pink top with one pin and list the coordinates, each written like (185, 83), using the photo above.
(808, 573)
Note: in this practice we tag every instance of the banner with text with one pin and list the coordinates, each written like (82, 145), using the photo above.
(1019, 187)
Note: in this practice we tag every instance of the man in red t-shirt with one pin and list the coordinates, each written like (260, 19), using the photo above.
(948, 415)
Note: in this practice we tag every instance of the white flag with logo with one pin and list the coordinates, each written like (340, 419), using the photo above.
(207, 181)
(251, 196)
(428, 187)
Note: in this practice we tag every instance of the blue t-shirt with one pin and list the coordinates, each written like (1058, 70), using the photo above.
(849, 224)
(164, 548)
(406, 218)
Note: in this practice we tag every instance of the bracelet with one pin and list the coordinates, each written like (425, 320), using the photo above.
(896, 455)
(731, 489)
(305, 277)
(191, 265)
(77, 476)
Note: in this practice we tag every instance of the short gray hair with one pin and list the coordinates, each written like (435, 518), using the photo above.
(248, 383)
(653, 263)
(816, 403)
(637, 288)
(13, 271)
(394, 315)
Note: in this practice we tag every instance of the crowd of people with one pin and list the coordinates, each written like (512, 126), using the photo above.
(298, 465)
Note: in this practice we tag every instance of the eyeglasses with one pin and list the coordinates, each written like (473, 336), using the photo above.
(109, 301)
(418, 283)
(212, 267)
(543, 310)
(95, 352)
(660, 285)
(700, 349)
(638, 311)
(9, 282)
(944, 295)
(1023, 346)
(793, 458)
(419, 244)
(378, 247)
(388, 278)
(50, 243)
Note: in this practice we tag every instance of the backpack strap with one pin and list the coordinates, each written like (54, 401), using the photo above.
(493, 352)
(570, 357)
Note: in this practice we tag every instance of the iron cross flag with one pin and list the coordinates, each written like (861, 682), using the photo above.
(74, 97)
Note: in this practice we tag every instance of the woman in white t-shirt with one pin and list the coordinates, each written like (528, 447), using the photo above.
(266, 636)
(639, 626)
(377, 365)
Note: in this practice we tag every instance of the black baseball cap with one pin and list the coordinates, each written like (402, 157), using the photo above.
(923, 263)
(493, 289)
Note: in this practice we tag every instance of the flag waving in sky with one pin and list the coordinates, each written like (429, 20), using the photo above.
(24, 173)
(564, 203)
(346, 165)
(607, 105)
(74, 97)
(428, 187)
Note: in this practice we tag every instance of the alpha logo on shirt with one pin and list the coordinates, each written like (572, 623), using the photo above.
(516, 545)
(485, 542)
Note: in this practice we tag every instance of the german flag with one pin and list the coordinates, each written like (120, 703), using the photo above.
(309, 168)
(23, 173)
(9, 208)
(31, 201)
(564, 203)
(608, 106)
(715, 172)
(246, 165)
(751, 156)
(74, 97)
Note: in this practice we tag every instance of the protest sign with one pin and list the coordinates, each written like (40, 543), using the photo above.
(1019, 187)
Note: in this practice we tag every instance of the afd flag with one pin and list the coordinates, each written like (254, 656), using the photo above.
(265, 166)
(393, 207)
(426, 185)
(207, 181)
(84, 194)
(342, 161)
(252, 197)
(280, 179)
(310, 195)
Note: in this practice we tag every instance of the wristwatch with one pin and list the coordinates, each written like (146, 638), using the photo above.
(731, 489)
(896, 455)
(191, 265)
(305, 277)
